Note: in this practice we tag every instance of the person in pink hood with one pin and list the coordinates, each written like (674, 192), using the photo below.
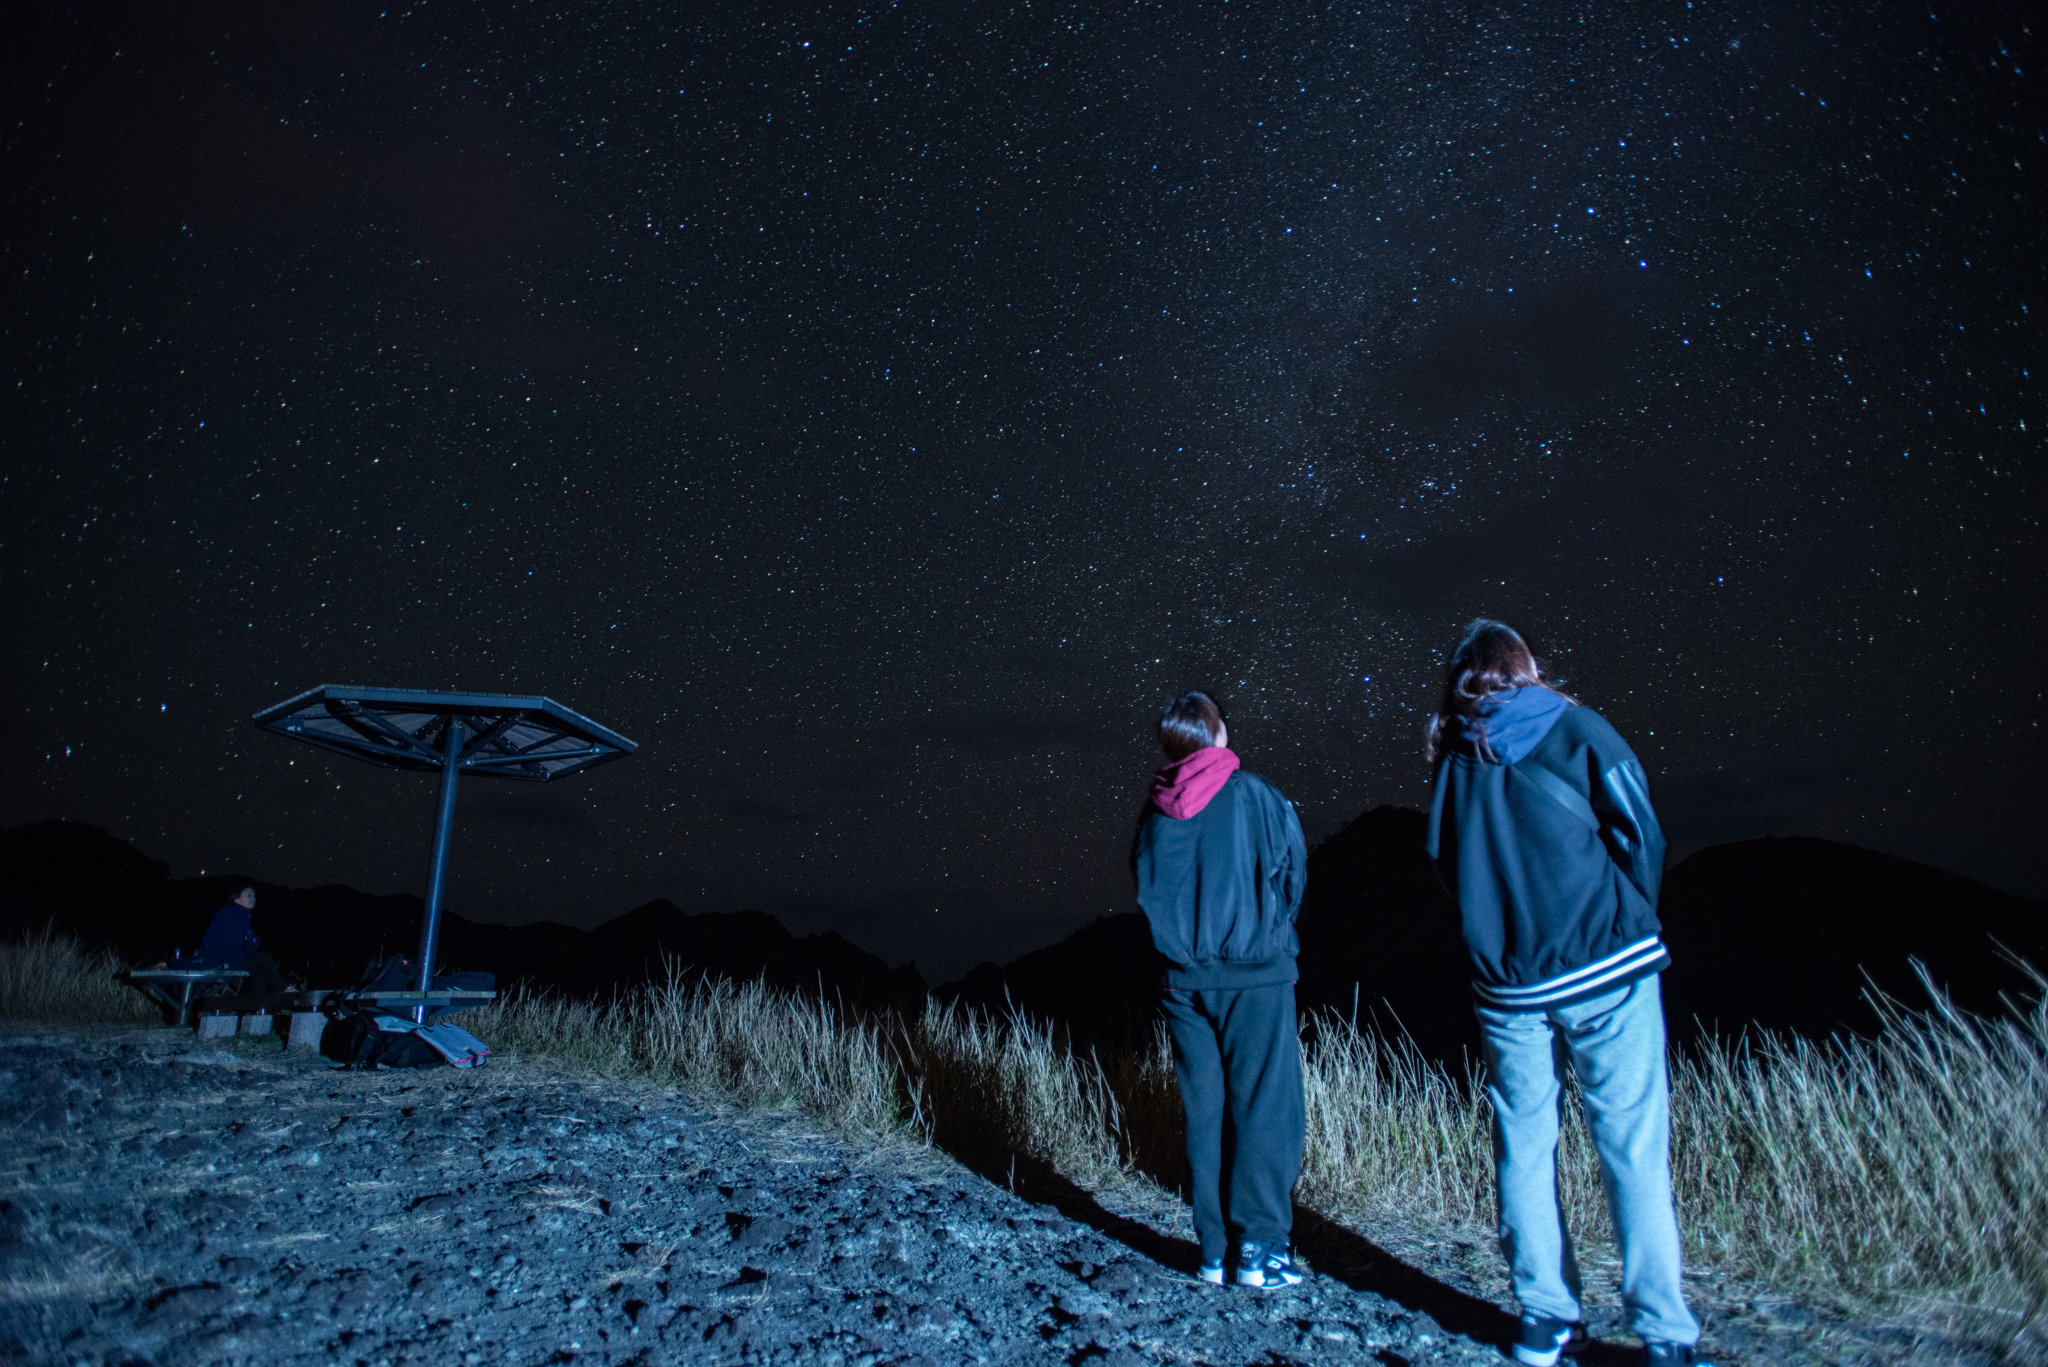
(1220, 866)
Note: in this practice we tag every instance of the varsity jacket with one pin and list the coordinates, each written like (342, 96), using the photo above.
(1541, 828)
(1220, 867)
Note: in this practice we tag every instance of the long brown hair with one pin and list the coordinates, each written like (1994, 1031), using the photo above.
(1491, 658)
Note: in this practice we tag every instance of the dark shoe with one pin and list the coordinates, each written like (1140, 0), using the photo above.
(1211, 1272)
(1541, 1342)
(1263, 1264)
(1658, 1353)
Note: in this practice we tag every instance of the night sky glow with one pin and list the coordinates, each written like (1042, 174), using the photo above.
(877, 412)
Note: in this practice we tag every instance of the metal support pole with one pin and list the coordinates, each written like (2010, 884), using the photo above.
(437, 869)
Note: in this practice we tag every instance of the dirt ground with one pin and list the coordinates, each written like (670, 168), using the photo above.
(166, 1203)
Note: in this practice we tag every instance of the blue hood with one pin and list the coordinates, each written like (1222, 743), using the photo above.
(1512, 723)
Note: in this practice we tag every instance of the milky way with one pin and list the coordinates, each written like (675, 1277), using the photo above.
(877, 414)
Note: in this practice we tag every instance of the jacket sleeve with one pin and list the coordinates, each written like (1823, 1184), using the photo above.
(1433, 844)
(1138, 842)
(227, 936)
(1290, 858)
(1628, 824)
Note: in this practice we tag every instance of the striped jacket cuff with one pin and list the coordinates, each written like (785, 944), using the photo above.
(1624, 966)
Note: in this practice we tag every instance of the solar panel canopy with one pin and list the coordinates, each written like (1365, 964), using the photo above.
(492, 735)
(498, 735)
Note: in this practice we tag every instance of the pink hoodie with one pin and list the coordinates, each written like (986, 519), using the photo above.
(1181, 789)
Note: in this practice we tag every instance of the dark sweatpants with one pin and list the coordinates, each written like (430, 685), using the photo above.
(263, 972)
(1237, 1054)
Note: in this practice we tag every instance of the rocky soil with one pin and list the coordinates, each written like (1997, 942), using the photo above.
(163, 1203)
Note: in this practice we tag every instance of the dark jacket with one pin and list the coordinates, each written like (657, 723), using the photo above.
(1221, 888)
(228, 939)
(1544, 834)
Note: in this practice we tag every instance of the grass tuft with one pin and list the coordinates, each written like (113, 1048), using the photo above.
(49, 977)
(987, 1089)
(739, 1042)
(1912, 1167)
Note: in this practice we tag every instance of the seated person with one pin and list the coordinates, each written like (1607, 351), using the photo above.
(230, 942)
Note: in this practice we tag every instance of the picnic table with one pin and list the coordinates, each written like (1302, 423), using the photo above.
(158, 981)
(309, 1009)
(443, 997)
(418, 1004)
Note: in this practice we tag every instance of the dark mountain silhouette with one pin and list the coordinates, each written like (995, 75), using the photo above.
(85, 882)
(1102, 982)
(1379, 935)
(1773, 933)
(637, 946)
(1375, 927)
(76, 875)
(1778, 932)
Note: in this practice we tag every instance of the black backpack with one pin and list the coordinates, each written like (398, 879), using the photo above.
(356, 1041)
(395, 974)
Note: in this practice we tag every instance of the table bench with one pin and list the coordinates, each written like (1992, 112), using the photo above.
(157, 982)
(407, 1000)
(309, 1010)
(416, 1004)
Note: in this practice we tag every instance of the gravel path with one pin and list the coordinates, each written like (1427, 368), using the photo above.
(166, 1204)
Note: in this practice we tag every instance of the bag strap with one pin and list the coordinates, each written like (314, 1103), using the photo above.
(1562, 793)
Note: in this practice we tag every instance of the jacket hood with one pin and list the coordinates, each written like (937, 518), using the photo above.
(1512, 723)
(1181, 789)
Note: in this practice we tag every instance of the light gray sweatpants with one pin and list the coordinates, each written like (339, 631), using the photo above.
(1615, 1044)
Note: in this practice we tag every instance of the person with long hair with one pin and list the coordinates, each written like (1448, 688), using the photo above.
(1542, 829)
(1220, 866)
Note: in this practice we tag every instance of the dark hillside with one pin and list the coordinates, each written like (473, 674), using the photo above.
(1779, 931)
(1102, 981)
(1376, 923)
(87, 883)
(1771, 932)
(641, 945)
(75, 876)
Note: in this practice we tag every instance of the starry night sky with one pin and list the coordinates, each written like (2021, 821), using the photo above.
(878, 412)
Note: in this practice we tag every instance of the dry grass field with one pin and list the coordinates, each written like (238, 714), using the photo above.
(1906, 1175)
